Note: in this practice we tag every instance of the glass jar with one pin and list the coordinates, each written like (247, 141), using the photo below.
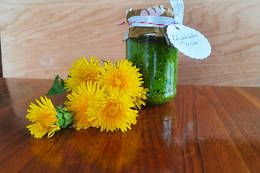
(157, 62)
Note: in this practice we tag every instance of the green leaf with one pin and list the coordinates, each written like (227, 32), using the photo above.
(67, 116)
(58, 87)
(64, 118)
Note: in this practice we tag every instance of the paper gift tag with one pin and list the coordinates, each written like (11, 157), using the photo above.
(188, 41)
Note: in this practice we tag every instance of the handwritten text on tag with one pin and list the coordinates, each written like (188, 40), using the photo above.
(189, 41)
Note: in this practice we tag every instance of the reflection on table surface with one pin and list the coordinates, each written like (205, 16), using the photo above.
(204, 129)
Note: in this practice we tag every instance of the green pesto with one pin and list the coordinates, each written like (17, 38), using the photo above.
(157, 62)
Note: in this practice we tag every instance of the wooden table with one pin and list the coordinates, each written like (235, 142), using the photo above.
(204, 129)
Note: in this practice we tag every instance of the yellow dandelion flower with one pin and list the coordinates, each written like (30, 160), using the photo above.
(126, 77)
(83, 71)
(44, 117)
(139, 99)
(112, 110)
(78, 103)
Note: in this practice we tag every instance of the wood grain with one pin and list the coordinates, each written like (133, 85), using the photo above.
(1, 72)
(40, 39)
(204, 129)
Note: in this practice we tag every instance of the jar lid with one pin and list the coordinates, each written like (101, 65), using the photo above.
(156, 11)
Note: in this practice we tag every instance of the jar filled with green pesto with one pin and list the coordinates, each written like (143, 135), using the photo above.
(149, 50)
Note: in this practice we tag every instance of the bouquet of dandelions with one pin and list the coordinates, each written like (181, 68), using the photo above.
(106, 97)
